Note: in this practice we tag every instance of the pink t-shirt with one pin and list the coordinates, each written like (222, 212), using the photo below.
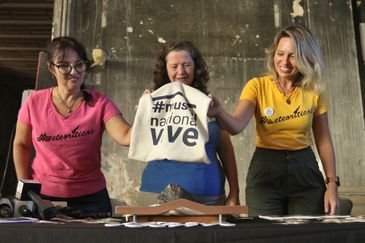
(67, 159)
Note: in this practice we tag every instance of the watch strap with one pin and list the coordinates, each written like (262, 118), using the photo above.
(335, 179)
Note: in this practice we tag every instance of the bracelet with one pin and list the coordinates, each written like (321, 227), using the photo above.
(335, 179)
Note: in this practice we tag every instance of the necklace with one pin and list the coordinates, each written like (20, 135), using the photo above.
(281, 89)
(69, 108)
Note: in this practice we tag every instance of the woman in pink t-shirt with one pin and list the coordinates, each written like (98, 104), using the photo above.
(65, 124)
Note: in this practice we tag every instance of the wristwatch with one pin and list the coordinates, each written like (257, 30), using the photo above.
(335, 179)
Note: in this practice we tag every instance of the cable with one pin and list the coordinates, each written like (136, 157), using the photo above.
(7, 159)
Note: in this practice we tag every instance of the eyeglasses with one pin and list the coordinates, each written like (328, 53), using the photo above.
(67, 68)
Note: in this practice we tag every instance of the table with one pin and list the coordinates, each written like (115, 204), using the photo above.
(248, 230)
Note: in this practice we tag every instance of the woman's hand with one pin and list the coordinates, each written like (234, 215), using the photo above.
(331, 202)
(215, 106)
(232, 199)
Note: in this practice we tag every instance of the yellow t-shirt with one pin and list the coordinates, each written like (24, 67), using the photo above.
(280, 125)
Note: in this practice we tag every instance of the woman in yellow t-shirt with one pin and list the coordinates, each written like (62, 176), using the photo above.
(288, 103)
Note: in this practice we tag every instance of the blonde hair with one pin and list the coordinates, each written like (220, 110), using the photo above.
(308, 57)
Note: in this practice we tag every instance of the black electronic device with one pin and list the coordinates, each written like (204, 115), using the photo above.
(29, 189)
(45, 208)
(6, 208)
(25, 211)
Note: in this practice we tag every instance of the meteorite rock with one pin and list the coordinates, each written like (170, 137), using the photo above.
(173, 192)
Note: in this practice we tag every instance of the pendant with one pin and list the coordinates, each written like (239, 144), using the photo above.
(288, 101)
(69, 110)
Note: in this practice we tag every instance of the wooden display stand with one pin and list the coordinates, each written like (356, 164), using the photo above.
(180, 210)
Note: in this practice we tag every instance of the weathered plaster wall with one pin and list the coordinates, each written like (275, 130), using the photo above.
(232, 35)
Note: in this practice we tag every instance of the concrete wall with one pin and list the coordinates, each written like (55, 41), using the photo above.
(232, 35)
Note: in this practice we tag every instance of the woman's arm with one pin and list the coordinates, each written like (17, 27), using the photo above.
(226, 155)
(119, 129)
(326, 153)
(236, 122)
(22, 147)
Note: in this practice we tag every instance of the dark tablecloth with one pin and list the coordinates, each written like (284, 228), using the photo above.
(255, 231)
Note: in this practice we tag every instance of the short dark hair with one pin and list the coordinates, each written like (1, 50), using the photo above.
(58, 47)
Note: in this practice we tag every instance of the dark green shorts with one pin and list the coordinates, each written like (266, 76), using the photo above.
(282, 182)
